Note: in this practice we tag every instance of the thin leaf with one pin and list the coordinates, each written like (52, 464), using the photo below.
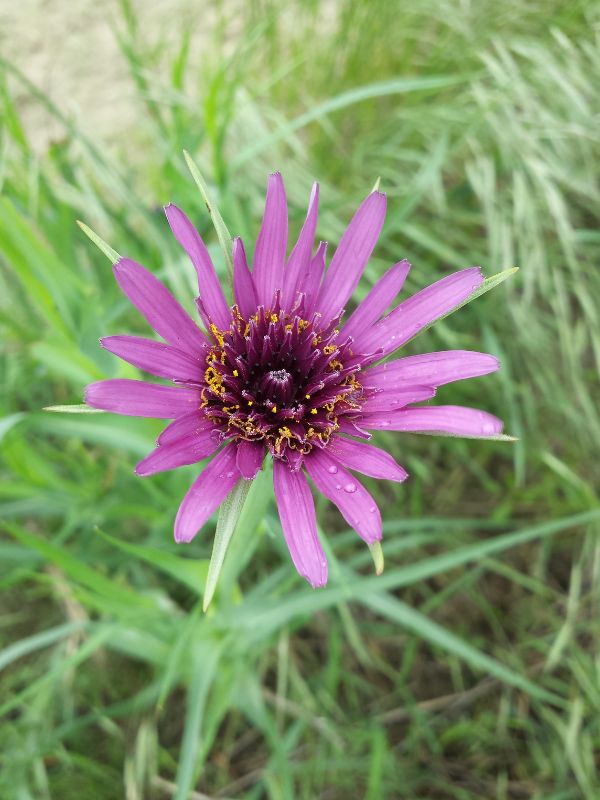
(345, 99)
(190, 572)
(439, 636)
(37, 642)
(223, 234)
(76, 408)
(8, 422)
(111, 254)
(204, 668)
(377, 556)
(226, 525)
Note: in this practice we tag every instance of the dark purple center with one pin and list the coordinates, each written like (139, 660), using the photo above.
(281, 379)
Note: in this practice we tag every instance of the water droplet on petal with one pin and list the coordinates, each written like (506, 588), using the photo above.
(332, 469)
(338, 486)
(350, 488)
(372, 510)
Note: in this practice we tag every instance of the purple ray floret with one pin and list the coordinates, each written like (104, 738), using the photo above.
(279, 374)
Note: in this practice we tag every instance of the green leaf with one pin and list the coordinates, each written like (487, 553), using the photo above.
(377, 555)
(358, 95)
(76, 408)
(111, 254)
(265, 620)
(226, 525)
(190, 572)
(426, 628)
(79, 571)
(8, 422)
(204, 667)
(37, 642)
(222, 233)
(498, 437)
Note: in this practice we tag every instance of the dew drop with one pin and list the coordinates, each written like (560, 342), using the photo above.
(350, 488)
(229, 474)
(332, 469)
(372, 510)
(338, 486)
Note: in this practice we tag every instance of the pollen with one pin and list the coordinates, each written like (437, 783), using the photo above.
(257, 376)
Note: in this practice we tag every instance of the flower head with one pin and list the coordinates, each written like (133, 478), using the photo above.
(281, 373)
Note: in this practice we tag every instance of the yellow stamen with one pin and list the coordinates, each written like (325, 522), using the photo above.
(274, 410)
(313, 411)
(235, 373)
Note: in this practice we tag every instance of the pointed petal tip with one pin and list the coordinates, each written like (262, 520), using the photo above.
(317, 583)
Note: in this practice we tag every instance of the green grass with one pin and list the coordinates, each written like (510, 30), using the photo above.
(469, 668)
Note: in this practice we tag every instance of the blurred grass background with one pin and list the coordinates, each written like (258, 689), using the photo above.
(470, 668)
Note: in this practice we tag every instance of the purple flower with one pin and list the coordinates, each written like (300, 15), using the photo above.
(279, 373)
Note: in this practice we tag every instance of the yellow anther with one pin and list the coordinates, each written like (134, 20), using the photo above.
(313, 411)
(274, 318)
(307, 396)
(274, 410)
(235, 373)
(250, 403)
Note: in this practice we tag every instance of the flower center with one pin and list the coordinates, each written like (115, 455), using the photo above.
(281, 379)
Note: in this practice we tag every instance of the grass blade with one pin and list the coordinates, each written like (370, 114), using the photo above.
(223, 234)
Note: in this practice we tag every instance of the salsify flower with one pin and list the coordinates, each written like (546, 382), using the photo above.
(280, 373)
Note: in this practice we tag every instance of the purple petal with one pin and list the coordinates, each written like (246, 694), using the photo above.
(206, 494)
(159, 307)
(188, 450)
(454, 420)
(208, 284)
(414, 314)
(299, 523)
(352, 428)
(351, 256)
(300, 257)
(188, 425)
(367, 459)
(250, 457)
(140, 399)
(154, 357)
(432, 369)
(354, 502)
(243, 283)
(394, 399)
(312, 279)
(375, 303)
(269, 254)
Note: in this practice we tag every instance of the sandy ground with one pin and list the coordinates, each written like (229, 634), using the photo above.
(68, 49)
